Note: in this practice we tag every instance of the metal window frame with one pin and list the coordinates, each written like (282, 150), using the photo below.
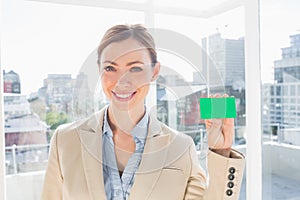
(253, 100)
(2, 134)
(252, 75)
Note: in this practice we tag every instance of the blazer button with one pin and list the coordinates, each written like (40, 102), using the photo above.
(231, 170)
(231, 177)
(230, 184)
(229, 192)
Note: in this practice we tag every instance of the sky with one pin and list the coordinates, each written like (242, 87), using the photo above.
(42, 38)
(279, 20)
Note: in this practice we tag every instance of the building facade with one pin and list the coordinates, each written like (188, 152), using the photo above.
(11, 82)
(228, 59)
(57, 92)
(15, 105)
(22, 127)
(284, 103)
(83, 98)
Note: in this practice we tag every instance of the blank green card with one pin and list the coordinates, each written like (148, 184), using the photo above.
(217, 108)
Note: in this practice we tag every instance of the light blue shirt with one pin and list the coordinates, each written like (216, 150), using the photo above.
(116, 187)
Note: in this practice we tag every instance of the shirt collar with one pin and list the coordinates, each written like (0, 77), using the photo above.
(139, 131)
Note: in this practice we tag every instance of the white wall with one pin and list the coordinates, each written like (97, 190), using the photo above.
(282, 160)
(25, 186)
(292, 136)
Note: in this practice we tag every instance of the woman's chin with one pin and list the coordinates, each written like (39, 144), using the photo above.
(126, 106)
(122, 106)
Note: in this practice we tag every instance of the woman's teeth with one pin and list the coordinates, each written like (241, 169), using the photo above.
(124, 96)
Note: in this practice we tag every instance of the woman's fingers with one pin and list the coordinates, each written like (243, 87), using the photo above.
(220, 131)
(214, 133)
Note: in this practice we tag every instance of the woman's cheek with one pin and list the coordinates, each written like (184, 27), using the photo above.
(142, 80)
(105, 85)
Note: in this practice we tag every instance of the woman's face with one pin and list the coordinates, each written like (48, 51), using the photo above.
(126, 72)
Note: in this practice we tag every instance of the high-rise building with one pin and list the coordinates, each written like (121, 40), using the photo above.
(58, 91)
(228, 57)
(287, 69)
(225, 62)
(285, 92)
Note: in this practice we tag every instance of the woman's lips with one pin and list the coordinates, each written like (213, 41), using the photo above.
(123, 96)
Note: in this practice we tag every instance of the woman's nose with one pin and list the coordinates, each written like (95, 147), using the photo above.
(124, 79)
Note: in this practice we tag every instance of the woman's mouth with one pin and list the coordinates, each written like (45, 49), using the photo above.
(123, 96)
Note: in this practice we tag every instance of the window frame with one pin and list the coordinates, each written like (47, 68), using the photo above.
(2, 137)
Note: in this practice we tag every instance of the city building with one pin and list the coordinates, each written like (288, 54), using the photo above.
(11, 82)
(178, 104)
(15, 105)
(225, 63)
(24, 130)
(225, 60)
(83, 101)
(57, 92)
(266, 112)
(21, 125)
(284, 102)
(228, 57)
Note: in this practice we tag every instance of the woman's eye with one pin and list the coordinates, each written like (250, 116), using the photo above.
(109, 68)
(136, 69)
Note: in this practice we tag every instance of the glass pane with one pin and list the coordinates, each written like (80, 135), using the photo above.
(207, 58)
(280, 59)
(50, 78)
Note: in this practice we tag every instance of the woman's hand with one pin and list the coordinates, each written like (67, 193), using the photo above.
(220, 133)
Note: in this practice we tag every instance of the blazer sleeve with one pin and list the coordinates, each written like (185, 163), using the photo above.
(224, 177)
(52, 188)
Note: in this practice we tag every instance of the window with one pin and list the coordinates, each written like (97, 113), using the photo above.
(293, 90)
(56, 69)
(65, 53)
(281, 51)
(272, 90)
(278, 90)
(293, 101)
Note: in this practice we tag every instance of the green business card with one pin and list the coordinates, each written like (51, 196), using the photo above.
(217, 108)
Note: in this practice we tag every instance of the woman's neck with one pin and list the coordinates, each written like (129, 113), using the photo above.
(124, 121)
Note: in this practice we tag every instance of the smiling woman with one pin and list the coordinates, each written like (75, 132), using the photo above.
(122, 152)
(125, 70)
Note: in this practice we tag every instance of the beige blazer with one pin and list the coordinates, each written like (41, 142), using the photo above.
(169, 169)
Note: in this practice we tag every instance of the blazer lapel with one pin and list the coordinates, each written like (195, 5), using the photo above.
(90, 134)
(153, 159)
(152, 162)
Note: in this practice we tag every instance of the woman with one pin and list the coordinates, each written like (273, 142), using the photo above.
(121, 152)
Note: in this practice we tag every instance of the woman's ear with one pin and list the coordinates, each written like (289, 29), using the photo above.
(156, 70)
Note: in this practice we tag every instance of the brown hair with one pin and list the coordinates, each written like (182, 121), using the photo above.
(122, 32)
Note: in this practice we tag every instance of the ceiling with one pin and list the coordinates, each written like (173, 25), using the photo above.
(192, 8)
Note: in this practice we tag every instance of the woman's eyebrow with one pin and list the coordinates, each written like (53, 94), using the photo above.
(128, 64)
(110, 62)
(134, 62)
